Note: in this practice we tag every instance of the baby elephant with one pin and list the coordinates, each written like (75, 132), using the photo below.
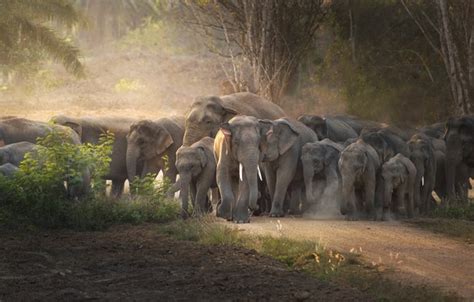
(8, 170)
(15, 153)
(196, 166)
(321, 174)
(399, 175)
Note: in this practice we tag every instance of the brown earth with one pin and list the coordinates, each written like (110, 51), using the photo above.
(414, 255)
(137, 263)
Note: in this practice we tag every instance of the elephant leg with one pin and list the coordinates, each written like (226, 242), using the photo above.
(224, 182)
(200, 205)
(295, 199)
(270, 178)
(215, 197)
(401, 197)
(284, 176)
(192, 188)
(369, 198)
(117, 187)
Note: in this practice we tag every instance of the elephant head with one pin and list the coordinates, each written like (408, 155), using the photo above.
(280, 136)
(316, 123)
(190, 161)
(145, 140)
(315, 157)
(380, 144)
(205, 117)
(422, 156)
(459, 138)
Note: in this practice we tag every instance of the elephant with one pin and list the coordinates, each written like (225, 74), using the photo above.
(320, 161)
(404, 134)
(423, 157)
(328, 127)
(15, 130)
(8, 170)
(281, 148)
(15, 153)
(399, 175)
(435, 130)
(148, 142)
(90, 129)
(359, 165)
(356, 123)
(196, 166)
(386, 143)
(459, 138)
(209, 112)
(236, 148)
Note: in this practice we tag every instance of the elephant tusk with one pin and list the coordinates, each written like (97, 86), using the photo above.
(422, 181)
(259, 173)
(240, 172)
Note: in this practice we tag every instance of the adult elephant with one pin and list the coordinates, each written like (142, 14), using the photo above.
(15, 153)
(196, 166)
(90, 130)
(15, 130)
(356, 123)
(328, 127)
(209, 112)
(459, 138)
(399, 175)
(281, 148)
(148, 142)
(236, 149)
(424, 158)
(319, 161)
(359, 166)
(386, 143)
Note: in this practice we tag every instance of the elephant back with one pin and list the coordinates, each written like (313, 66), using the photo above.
(246, 103)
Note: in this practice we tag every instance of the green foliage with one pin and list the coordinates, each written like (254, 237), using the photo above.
(26, 37)
(37, 195)
(459, 210)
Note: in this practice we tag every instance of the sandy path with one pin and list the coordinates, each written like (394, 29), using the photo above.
(423, 257)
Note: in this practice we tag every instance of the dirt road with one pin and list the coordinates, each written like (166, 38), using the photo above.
(415, 255)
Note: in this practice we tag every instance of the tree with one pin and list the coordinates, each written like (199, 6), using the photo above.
(272, 35)
(25, 29)
(449, 29)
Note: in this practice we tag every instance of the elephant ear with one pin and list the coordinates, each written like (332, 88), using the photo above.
(266, 127)
(226, 130)
(74, 126)
(330, 155)
(219, 107)
(409, 166)
(202, 156)
(164, 142)
(287, 136)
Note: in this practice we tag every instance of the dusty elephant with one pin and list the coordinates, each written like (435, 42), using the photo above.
(386, 143)
(328, 127)
(208, 113)
(399, 175)
(196, 167)
(281, 148)
(236, 148)
(15, 153)
(8, 170)
(90, 129)
(148, 142)
(15, 130)
(459, 138)
(423, 156)
(359, 166)
(320, 161)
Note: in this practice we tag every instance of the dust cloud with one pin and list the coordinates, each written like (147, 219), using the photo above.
(327, 206)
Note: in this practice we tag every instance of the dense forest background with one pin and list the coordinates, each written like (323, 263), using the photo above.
(400, 61)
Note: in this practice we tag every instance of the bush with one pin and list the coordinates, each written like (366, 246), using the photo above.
(38, 193)
(456, 211)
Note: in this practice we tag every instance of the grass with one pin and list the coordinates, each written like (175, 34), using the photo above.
(310, 257)
(456, 221)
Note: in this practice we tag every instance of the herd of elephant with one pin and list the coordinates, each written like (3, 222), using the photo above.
(253, 158)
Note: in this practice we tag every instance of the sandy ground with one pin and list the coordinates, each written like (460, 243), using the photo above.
(414, 255)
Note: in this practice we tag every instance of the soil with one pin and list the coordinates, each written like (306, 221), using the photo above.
(137, 263)
(410, 255)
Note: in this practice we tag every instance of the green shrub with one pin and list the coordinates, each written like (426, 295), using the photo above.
(455, 211)
(37, 194)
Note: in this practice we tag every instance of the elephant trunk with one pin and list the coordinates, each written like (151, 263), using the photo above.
(184, 180)
(388, 190)
(133, 153)
(420, 171)
(193, 134)
(308, 174)
(347, 205)
(251, 172)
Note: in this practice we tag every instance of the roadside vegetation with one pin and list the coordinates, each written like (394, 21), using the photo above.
(36, 195)
(311, 257)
